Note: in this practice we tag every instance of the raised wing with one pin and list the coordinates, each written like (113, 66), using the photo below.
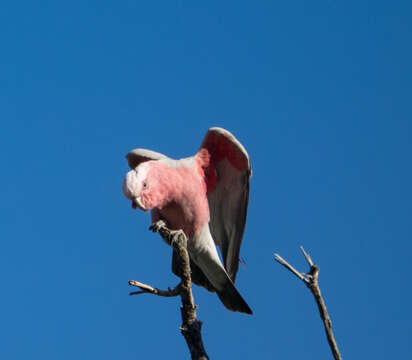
(137, 156)
(227, 178)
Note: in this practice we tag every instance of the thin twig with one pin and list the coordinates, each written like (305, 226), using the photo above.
(147, 289)
(307, 256)
(311, 281)
(191, 327)
(282, 261)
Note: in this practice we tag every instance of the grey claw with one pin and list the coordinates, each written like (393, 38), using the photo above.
(155, 227)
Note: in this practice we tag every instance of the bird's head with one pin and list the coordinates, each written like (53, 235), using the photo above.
(150, 185)
(136, 186)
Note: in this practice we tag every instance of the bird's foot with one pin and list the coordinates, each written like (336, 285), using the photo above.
(157, 226)
(169, 236)
(175, 236)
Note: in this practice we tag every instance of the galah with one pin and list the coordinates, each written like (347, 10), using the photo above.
(206, 196)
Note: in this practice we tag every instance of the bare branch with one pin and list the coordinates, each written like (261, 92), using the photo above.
(311, 281)
(147, 289)
(191, 327)
(308, 258)
(282, 261)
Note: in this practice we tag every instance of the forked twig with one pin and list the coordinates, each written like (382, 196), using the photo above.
(311, 281)
(191, 327)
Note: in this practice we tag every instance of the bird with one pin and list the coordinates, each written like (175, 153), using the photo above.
(206, 196)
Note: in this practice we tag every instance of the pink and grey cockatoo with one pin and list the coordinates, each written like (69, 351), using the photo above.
(206, 196)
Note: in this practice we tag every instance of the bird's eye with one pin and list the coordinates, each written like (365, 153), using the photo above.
(144, 184)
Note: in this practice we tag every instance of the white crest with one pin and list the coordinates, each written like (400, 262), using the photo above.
(133, 181)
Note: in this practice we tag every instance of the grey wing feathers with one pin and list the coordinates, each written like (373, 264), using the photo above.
(228, 201)
(137, 156)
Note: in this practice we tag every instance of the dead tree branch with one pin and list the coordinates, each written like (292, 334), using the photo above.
(191, 327)
(147, 289)
(311, 281)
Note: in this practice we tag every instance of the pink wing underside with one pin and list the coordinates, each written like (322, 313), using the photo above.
(227, 178)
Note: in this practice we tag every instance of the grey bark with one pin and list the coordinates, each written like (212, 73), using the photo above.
(191, 327)
(311, 281)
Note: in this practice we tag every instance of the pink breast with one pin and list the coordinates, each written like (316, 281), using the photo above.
(186, 206)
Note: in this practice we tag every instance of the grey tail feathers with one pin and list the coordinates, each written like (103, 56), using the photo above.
(232, 299)
(229, 295)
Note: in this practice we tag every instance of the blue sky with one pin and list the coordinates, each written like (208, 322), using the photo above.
(319, 93)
